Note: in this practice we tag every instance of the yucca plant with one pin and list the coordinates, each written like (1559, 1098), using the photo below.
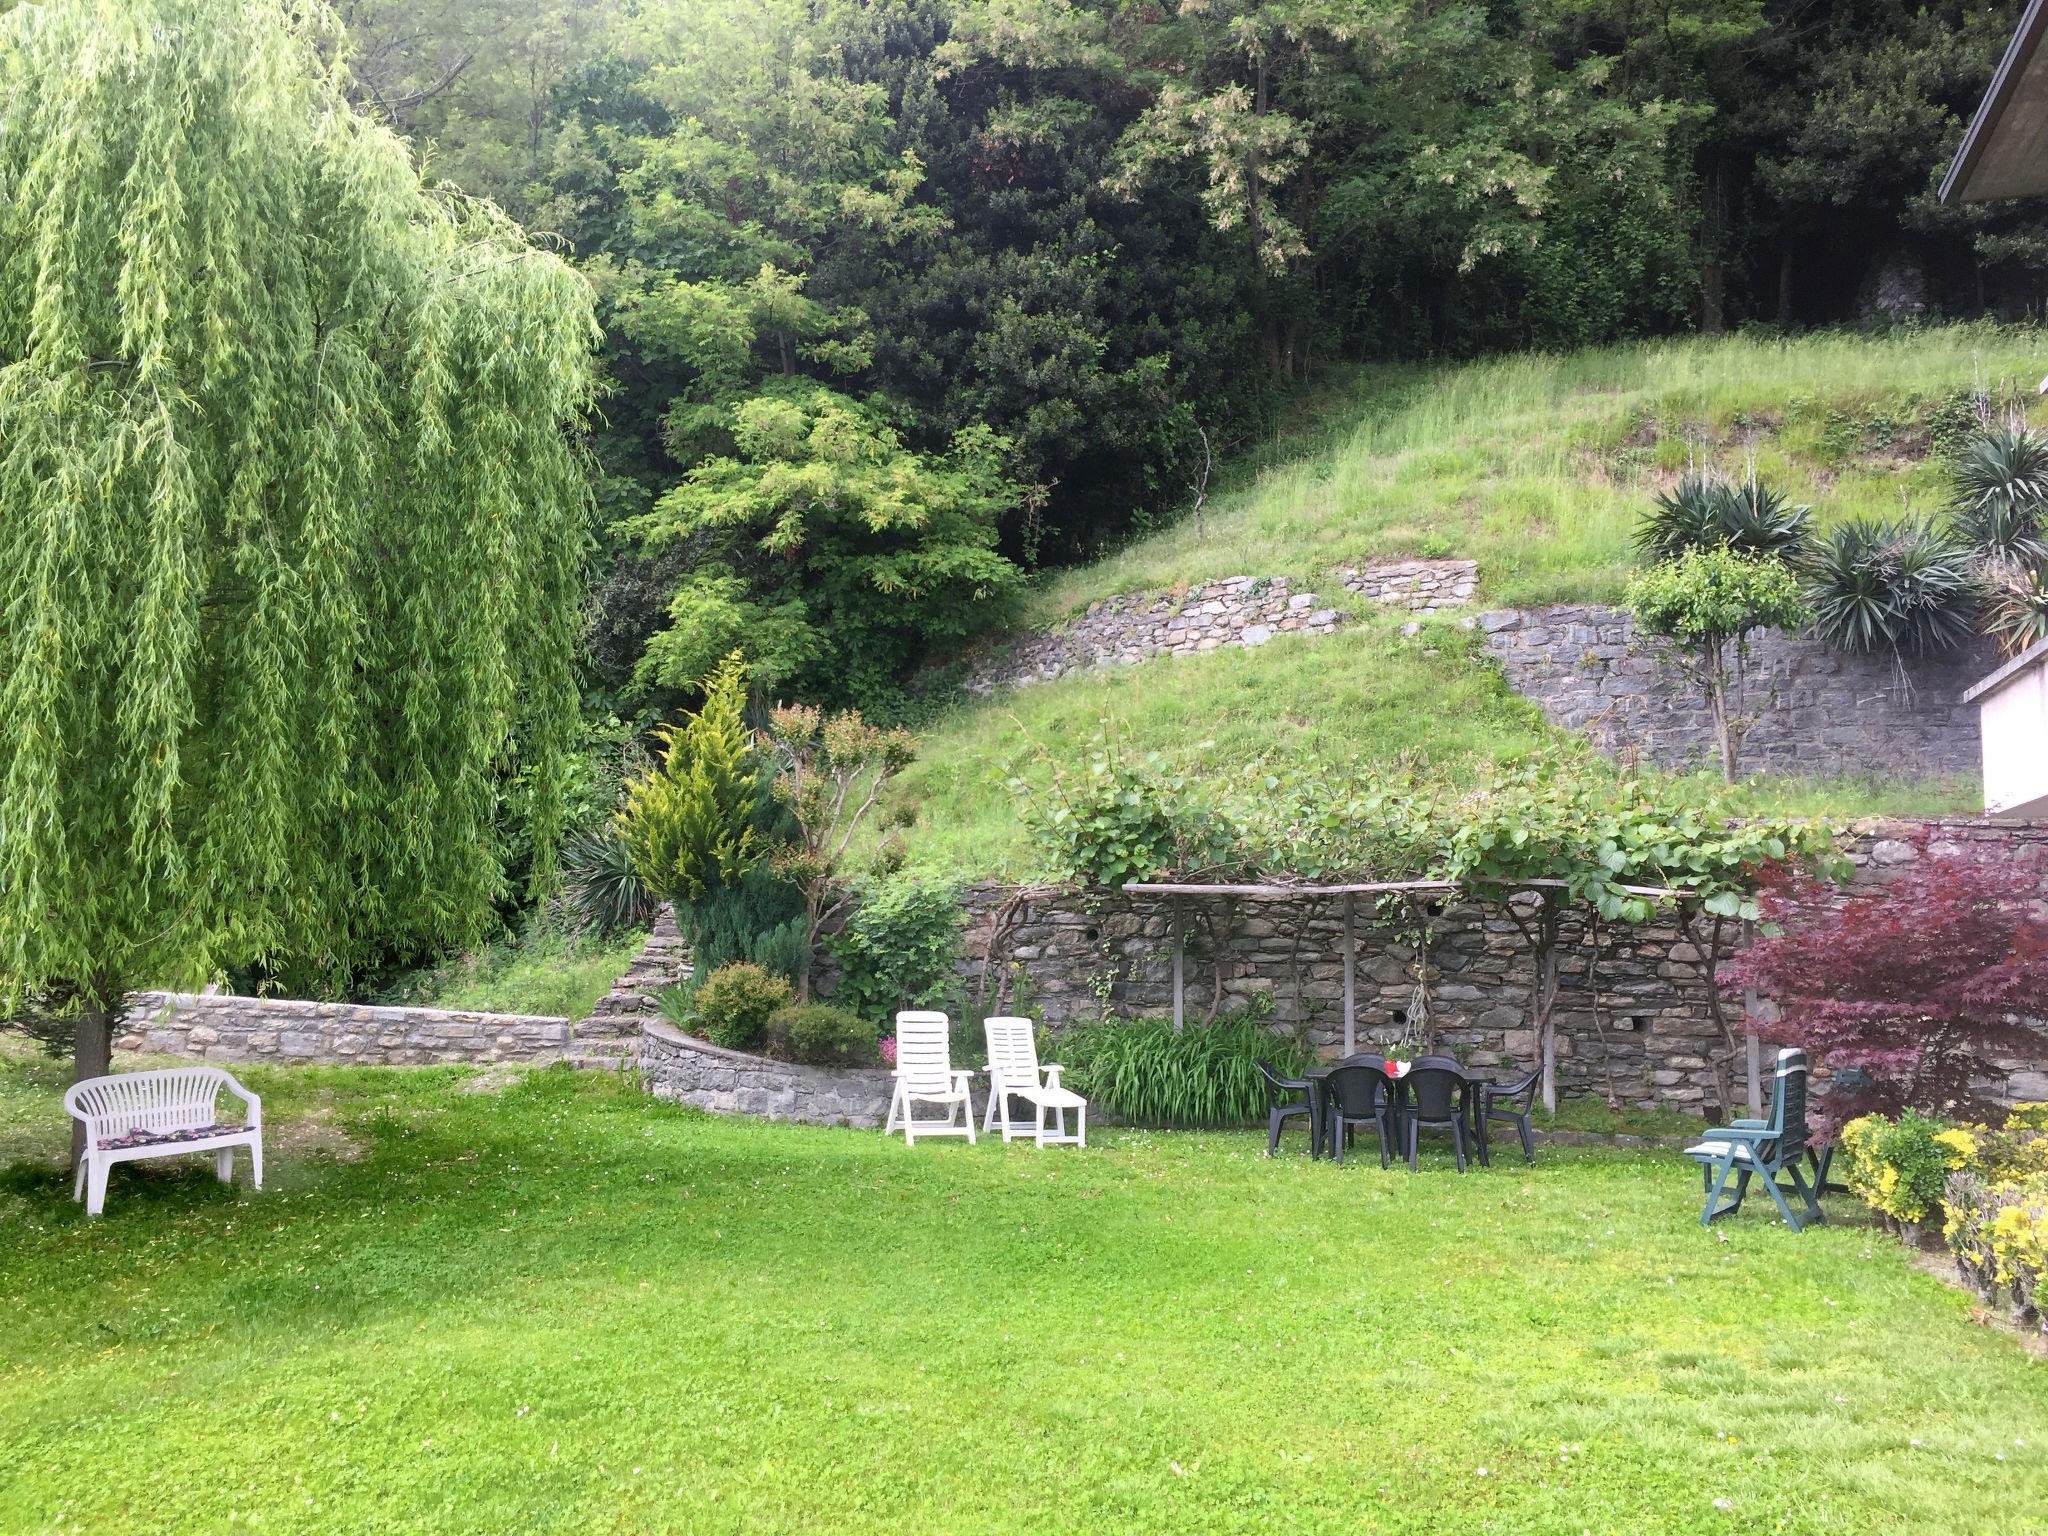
(1756, 520)
(2000, 501)
(1688, 516)
(2015, 605)
(1146, 1072)
(1900, 585)
(600, 886)
(1704, 511)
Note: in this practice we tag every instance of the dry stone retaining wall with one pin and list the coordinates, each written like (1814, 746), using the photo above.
(210, 1027)
(1641, 1022)
(1818, 712)
(1426, 586)
(1236, 611)
(686, 1070)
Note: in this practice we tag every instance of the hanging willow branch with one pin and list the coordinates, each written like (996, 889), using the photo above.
(294, 518)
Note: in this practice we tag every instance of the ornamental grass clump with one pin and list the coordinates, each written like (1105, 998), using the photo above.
(1147, 1072)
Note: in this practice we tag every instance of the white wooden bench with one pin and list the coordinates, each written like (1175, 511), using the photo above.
(160, 1114)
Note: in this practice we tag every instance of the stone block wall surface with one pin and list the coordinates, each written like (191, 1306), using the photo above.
(686, 1070)
(1425, 586)
(1639, 1021)
(1239, 611)
(662, 962)
(1817, 712)
(220, 1027)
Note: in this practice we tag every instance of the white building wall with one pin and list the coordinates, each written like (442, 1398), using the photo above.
(2015, 719)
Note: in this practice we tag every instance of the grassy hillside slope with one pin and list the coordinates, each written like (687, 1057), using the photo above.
(1537, 466)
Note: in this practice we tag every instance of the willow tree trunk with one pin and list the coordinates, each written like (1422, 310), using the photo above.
(92, 1050)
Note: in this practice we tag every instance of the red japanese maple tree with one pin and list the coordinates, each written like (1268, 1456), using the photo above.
(1907, 991)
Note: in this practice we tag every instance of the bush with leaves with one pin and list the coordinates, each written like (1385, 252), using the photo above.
(1122, 818)
(1147, 1072)
(821, 1035)
(899, 947)
(733, 1004)
(601, 887)
(829, 770)
(1706, 604)
(1900, 1166)
(760, 919)
(1998, 502)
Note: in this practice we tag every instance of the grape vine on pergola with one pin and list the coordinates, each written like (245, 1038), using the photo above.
(1347, 893)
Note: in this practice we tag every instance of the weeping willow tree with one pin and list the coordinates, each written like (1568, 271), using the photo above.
(292, 512)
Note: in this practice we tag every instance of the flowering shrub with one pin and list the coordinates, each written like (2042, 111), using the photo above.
(1991, 1186)
(1899, 1167)
(1999, 1235)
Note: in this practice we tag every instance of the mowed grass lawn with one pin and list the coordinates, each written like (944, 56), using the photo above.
(559, 1306)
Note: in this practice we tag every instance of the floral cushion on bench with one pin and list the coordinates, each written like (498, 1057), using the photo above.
(166, 1138)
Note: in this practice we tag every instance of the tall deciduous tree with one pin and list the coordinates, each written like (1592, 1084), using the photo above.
(294, 514)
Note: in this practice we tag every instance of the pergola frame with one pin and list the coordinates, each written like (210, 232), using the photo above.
(1346, 892)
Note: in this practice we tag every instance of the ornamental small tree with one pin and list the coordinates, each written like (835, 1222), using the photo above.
(1706, 604)
(294, 516)
(1908, 991)
(829, 772)
(689, 824)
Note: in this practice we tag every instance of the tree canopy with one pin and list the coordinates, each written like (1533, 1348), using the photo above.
(296, 515)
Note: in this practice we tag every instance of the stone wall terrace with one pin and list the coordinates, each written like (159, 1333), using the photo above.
(1818, 712)
(686, 1070)
(221, 1027)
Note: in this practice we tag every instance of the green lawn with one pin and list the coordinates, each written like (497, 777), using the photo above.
(562, 1307)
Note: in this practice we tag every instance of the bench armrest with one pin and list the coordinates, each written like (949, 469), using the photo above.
(1748, 1135)
(255, 1105)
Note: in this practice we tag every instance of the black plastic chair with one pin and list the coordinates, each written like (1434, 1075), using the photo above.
(1512, 1104)
(1437, 1098)
(1279, 1109)
(1358, 1094)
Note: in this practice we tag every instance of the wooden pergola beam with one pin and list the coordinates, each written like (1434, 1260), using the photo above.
(1375, 888)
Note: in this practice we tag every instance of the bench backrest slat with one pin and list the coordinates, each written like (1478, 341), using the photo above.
(172, 1099)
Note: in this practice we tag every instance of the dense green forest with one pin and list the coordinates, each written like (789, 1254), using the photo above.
(904, 299)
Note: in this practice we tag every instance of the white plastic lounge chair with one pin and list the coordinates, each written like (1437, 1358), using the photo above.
(1014, 1072)
(159, 1114)
(925, 1075)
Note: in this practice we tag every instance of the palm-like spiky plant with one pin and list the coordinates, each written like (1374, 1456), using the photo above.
(1756, 520)
(599, 883)
(1688, 516)
(2015, 605)
(1899, 585)
(1704, 511)
(2000, 502)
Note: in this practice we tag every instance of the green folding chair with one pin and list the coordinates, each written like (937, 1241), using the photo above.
(1772, 1147)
